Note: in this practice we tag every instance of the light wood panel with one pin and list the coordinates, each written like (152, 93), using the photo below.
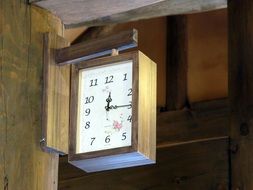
(92, 13)
(56, 93)
(23, 165)
(240, 14)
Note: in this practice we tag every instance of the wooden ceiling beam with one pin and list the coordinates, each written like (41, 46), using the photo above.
(75, 13)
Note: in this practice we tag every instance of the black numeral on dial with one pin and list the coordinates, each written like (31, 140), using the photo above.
(123, 136)
(87, 112)
(92, 140)
(130, 91)
(108, 79)
(89, 99)
(129, 118)
(107, 139)
(87, 125)
(125, 77)
(93, 82)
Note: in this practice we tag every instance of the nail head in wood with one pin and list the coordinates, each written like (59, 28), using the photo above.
(244, 129)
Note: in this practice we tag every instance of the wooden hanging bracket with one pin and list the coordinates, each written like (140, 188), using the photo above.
(96, 48)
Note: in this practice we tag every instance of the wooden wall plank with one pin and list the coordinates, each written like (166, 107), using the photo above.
(196, 166)
(240, 14)
(2, 104)
(92, 13)
(23, 165)
(205, 120)
(207, 76)
(176, 76)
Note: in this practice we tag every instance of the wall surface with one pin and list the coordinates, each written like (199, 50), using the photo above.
(195, 160)
(207, 56)
(23, 165)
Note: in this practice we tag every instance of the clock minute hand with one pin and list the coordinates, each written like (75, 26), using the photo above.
(120, 106)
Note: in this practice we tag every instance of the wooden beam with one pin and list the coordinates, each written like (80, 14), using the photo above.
(205, 120)
(201, 165)
(240, 14)
(96, 12)
(23, 165)
(176, 75)
(96, 48)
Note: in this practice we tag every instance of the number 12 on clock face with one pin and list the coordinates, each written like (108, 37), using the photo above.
(104, 118)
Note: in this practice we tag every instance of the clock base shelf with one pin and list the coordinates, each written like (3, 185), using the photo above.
(112, 162)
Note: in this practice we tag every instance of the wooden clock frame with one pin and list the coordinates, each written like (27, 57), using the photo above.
(140, 152)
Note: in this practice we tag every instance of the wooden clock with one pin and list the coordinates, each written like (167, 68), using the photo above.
(113, 112)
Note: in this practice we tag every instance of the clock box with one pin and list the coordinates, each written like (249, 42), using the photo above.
(113, 112)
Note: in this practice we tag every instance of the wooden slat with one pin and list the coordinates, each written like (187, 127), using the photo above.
(97, 47)
(96, 12)
(176, 76)
(56, 93)
(3, 118)
(206, 120)
(24, 165)
(240, 14)
(194, 166)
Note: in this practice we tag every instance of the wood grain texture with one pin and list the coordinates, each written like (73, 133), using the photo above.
(207, 54)
(240, 13)
(3, 116)
(146, 106)
(196, 166)
(24, 165)
(205, 120)
(176, 87)
(56, 94)
(92, 13)
(96, 48)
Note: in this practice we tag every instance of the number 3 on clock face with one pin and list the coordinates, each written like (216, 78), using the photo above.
(104, 117)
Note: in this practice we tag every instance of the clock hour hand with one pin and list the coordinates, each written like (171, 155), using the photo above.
(108, 100)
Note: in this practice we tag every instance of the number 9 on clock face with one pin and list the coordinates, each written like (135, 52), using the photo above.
(104, 116)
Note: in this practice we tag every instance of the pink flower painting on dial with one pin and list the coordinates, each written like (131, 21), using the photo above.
(117, 125)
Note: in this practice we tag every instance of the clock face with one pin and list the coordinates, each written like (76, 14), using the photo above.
(104, 119)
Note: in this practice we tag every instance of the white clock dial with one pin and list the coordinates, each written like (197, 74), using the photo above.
(105, 109)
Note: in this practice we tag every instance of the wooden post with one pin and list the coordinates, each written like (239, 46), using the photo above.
(240, 14)
(176, 92)
(23, 165)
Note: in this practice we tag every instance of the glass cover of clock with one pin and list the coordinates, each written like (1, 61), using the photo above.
(104, 119)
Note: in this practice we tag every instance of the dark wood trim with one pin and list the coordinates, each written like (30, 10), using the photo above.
(176, 75)
(240, 16)
(97, 47)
